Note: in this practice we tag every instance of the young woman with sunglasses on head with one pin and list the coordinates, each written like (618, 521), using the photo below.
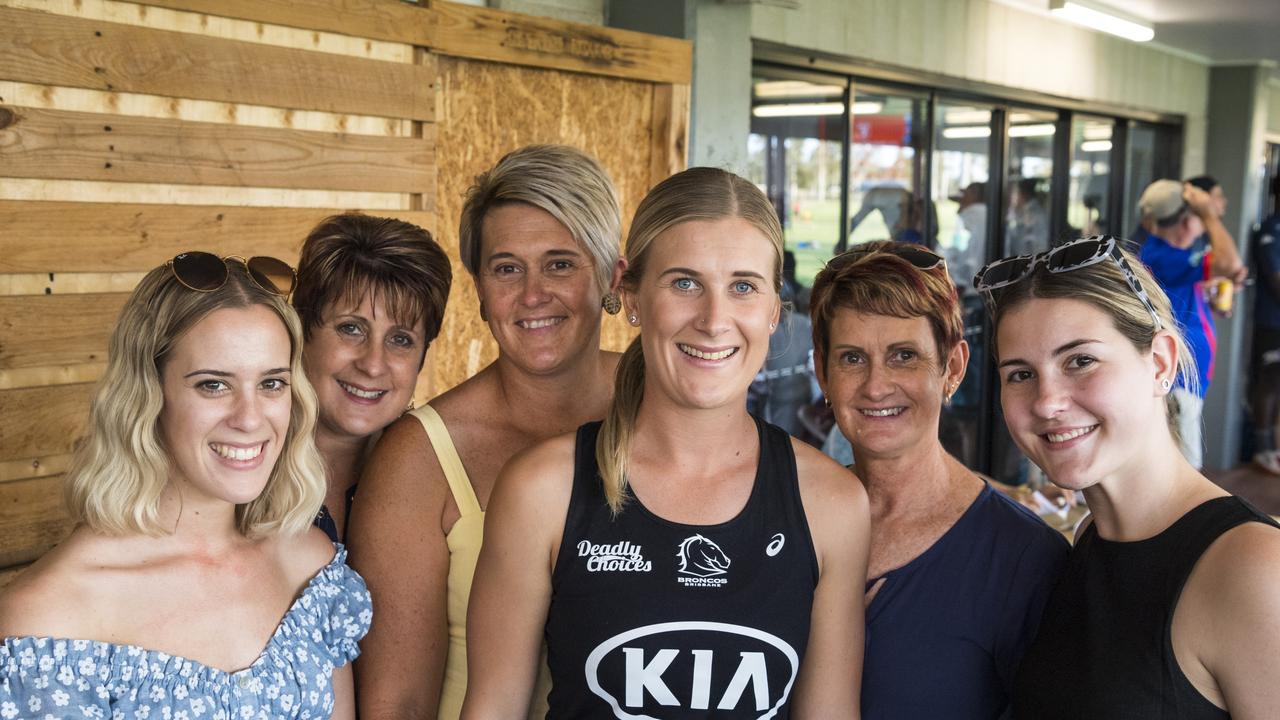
(1169, 606)
(958, 573)
(682, 559)
(193, 584)
(371, 293)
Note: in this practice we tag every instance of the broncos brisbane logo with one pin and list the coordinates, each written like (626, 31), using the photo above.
(701, 557)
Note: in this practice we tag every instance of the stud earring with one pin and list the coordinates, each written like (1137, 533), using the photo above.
(410, 406)
(772, 326)
(633, 319)
(1165, 384)
(611, 303)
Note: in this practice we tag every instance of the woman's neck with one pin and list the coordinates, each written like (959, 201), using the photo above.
(342, 455)
(567, 398)
(692, 437)
(909, 482)
(197, 526)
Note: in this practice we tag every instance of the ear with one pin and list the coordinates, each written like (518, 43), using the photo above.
(777, 314)
(957, 365)
(1164, 361)
(630, 306)
(820, 369)
(615, 279)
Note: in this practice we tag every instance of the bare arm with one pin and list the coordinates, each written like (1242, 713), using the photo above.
(398, 545)
(344, 701)
(1226, 258)
(839, 521)
(512, 587)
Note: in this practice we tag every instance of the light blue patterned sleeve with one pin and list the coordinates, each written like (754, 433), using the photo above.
(341, 611)
(44, 679)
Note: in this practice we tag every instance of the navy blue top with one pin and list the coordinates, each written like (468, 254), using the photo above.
(946, 631)
(1266, 253)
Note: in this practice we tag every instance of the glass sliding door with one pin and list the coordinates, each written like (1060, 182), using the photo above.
(1089, 178)
(1028, 181)
(886, 152)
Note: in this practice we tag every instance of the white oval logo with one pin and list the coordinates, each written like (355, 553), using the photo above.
(775, 546)
(645, 665)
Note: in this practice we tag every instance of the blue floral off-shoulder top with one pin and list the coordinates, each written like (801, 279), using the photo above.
(47, 678)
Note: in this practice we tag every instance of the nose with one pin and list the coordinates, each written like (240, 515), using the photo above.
(373, 361)
(879, 382)
(1050, 398)
(247, 413)
(534, 292)
(714, 315)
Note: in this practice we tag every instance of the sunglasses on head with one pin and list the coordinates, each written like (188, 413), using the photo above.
(919, 257)
(1069, 256)
(206, 272)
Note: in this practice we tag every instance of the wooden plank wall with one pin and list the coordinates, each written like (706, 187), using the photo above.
(131, 131)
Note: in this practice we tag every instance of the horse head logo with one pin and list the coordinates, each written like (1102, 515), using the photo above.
(701, 557)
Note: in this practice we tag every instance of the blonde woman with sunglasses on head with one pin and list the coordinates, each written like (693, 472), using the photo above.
(1169, 606)
(193, 584)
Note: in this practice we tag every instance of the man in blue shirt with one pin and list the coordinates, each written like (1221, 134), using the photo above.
(1264, 386)
(1174, 215)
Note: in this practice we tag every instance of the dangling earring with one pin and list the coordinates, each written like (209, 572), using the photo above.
(611, 303)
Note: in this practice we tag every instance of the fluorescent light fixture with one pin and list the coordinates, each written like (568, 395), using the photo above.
(795, 89)
(1101, 17)
(968, 116)
(1038, 130)
(1097, 132)
(1095, 146)
(958, 133)
(811, 109)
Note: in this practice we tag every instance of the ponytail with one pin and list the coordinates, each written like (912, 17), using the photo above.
(613, 445)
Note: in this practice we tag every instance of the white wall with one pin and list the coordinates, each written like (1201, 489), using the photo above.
(987, 42)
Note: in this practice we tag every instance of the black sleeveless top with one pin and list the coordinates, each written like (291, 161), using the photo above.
(651, 618)
(1105, 649)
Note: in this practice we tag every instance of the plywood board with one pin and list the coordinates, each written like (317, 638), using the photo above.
(80, 237)
(487, 34)
(489, 109)
(55, 50)
(38, 330)
(32, 519)
(51, 375)
(26, 468)
(670, 131)
(103, 191)
(390, 20)
(42, 421)
(54, 144)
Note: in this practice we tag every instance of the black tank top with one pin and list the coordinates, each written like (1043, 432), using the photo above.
(1105, 647)
(651, 618)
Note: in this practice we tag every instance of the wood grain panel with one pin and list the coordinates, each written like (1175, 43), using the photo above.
(51, 375)
(32, 519)
(39, 330)
(389, 20)
(35, 422)
(488, 34)
(8, 574)
(57, 50)
(34, 467)
(670, 131)
(60, 237)
(37, 143)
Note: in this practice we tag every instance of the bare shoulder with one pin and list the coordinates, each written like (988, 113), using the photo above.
(543, 468)
(835, 503)
(303, 555)
(65, 584)
(825, 480)
(1241, 567)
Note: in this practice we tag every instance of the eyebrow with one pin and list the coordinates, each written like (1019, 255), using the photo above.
(225, 374)
(695, 273)
(1067, 347)
(558, 252)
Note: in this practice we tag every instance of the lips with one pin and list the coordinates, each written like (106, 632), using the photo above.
(1067, 435)
(706, 354)
(539, 323)
(361, 393)
(882, 412)
(238, 453)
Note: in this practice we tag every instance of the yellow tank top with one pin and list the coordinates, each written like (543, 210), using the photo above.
(464, 541)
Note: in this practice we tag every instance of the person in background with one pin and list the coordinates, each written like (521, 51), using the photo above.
(1264, 385)
(958, 573)
(969, 245)
(1028, 219)
(193, 585)
(540, 236)
(681, 553)
(1175, 214)
(371, 292)
(1169, 606)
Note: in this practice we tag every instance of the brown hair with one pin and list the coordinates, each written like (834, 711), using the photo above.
(870, 279)
(700, 193)
(349, 256)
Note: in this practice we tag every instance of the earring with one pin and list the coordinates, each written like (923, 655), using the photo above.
(633, 319)
(410, 407)
(611, 303)
(772, 326)
(826, 401)
(1165, 384)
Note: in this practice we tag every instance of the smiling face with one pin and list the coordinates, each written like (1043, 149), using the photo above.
(1079, 399)
(886, 382)
(538, 290)
(226, 404)
(706, 306)
(364, 365)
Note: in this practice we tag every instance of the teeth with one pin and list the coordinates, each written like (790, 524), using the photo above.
(365, 394)
(535, 324)
(236, 453)
(886, 412)
(695, 352)
(1070, 435)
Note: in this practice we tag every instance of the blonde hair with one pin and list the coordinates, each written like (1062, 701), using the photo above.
(121, 468)
(562, 181)
(700, 193)
(1103, 285)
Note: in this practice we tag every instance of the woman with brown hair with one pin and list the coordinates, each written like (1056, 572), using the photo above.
(681, 553)
(958, 573)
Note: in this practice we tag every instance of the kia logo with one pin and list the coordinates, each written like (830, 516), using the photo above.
(655, 658)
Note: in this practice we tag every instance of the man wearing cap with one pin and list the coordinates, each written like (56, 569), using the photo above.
(1174, 214)
(968, 249)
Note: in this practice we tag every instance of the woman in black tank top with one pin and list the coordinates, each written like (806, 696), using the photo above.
(682, 559)
(1170, 603)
